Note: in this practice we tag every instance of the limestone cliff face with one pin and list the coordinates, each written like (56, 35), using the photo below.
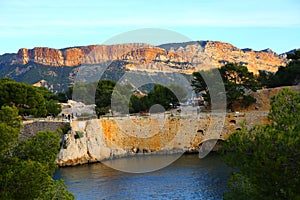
(42, 55)
(104, 139)
(208, 54)
(73, 56)
(22, 56)
(157, 59)
(180, 57)
(144, 55)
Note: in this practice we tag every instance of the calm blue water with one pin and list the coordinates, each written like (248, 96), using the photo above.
(187, 178)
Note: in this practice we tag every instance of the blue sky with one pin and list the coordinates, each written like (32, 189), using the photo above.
(246, 24)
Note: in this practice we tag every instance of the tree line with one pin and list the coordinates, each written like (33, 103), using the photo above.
(285, 76)
(29, 100)
(125, 101)
(109, 96)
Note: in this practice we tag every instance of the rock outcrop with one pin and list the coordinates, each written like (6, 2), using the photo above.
(181, 57)
(101, 139)
(42, 55)
(73, 56)
(208, 54)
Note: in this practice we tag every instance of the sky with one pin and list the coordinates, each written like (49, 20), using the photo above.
(256, 24)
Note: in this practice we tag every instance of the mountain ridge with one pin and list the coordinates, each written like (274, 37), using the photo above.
(74, 56)
(33, 65)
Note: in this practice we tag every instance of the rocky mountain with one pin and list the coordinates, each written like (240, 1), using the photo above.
(72, 56)
(58, 67)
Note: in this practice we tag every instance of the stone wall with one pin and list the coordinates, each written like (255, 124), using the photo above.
(32, 127)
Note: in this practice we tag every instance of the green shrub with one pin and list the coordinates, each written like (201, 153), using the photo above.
(78, 134)
(65, 144)
(66, 128)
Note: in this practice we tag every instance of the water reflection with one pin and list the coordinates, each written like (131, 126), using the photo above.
(142, 164)
(187, 178)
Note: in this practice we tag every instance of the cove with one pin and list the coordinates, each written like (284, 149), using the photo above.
(187, 178)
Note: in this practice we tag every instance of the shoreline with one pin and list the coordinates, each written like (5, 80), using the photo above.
(140, 155)
(157, 153)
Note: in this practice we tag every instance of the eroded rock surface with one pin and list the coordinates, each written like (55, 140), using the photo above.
(103, 139)
(180, 57)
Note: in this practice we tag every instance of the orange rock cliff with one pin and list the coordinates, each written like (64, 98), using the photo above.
(183, 57)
